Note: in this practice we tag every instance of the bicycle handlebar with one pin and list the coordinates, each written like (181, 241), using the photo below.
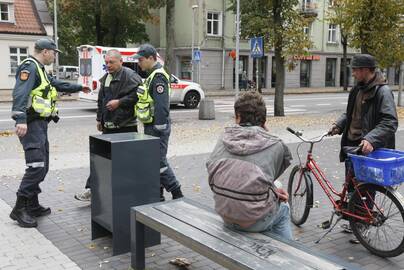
(299, 134)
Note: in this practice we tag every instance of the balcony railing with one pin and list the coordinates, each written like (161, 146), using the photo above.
(309, 9)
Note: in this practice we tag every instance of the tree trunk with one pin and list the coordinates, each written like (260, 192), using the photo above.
(170, 36)
(280, 83)
(98, 31)
(344, 42)
(279, 60)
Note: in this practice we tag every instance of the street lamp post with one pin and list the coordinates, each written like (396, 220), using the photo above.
(55, 30)
(194, 7)
(237, 47)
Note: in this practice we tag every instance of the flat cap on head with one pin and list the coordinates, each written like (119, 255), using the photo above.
(363, 61)
(146, 50)
(46, 43)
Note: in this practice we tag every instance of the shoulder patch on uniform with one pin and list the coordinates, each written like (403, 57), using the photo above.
(160, 88)
(24, 75)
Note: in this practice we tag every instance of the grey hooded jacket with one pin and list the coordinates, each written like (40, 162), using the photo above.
(242, 169)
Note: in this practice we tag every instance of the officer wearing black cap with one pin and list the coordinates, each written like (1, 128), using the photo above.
(370, 120)
(153, 109)
(34, 106)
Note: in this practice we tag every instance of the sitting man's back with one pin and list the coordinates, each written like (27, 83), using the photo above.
(242, 169)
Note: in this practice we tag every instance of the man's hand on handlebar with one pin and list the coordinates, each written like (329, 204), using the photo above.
(282, 194)
(334, 130)
(367, 147)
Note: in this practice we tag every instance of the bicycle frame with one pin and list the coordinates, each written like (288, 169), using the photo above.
(312, 167)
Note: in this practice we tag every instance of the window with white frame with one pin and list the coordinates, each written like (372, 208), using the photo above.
(17, 55)
(307, 30)
(332, 33)
(214, 24)
(307, 4)
(6, 11)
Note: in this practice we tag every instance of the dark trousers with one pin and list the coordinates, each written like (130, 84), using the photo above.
(36, 149)
(110, 131)
(167, 177)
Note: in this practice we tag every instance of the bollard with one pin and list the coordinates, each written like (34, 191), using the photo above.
(207, 109)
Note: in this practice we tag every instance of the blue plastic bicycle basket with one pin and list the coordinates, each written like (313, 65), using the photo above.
(383, 167)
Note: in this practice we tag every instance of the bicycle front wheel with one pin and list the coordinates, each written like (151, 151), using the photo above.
(299, 196)
(384, 235)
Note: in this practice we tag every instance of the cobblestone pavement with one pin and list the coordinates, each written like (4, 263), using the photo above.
(68, 227)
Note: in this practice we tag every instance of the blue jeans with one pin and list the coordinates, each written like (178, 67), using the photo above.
(167, 177)
(277, 223)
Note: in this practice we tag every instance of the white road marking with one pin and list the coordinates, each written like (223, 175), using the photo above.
(323, 104)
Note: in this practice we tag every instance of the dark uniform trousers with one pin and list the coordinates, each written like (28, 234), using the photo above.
(167, 177)
(110, 131)
(36, 149)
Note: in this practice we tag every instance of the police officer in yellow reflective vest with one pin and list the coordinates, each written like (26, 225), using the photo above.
(34, 106)
(153, 109)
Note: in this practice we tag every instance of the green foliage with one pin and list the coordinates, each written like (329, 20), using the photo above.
(375, 27)
(100, 22)
(279, 22)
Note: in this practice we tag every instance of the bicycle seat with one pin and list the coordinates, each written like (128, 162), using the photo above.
(355, 150)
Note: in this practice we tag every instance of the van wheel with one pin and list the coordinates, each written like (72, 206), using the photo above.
(191, 100)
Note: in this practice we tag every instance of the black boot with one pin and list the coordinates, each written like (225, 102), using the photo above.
(177, 193)
(35, 209)
(162, 198)
(21, 215)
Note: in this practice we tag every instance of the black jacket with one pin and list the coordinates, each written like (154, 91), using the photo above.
(379, 116)
(123, 87)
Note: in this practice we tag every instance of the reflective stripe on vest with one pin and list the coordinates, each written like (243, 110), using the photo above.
(43, 97)
(144, 108)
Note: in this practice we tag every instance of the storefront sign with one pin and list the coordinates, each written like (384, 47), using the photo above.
(307, 57)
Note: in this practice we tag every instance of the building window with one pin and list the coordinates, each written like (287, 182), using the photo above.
(307, 4)
(307, 30)
(330, 70)
(6, 12)
(17, 55)
(332, 33)
(331, 3)
(214, 24)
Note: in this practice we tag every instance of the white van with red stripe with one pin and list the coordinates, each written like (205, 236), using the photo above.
(92, 68)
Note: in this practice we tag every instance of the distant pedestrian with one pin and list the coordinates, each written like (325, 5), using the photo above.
(34, 106)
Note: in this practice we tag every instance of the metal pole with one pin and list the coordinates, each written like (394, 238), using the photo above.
(194, 7)
(257, 72)
(55, 29)
(237, 47)
(400, 84)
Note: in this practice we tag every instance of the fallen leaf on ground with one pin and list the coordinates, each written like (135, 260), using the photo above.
(182, 262)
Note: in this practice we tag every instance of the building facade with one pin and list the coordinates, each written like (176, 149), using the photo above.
(22, 22)
(214, 30)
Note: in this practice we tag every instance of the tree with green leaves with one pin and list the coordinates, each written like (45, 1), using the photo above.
(377, 28)
(281, 25)
(98, 22)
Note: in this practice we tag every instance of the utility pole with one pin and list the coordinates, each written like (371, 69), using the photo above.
(237, 48)
(55, 34)
(194, 7)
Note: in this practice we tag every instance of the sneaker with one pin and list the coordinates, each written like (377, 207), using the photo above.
(84, 196)
(346, 228)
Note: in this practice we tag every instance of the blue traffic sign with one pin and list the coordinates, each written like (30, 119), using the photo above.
(257, 47)
(197, 55)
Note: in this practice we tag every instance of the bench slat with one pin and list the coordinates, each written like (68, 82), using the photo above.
(201, 229)
(256, 244)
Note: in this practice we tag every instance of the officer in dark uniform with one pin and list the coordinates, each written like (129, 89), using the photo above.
(34, 106)
(158, 87)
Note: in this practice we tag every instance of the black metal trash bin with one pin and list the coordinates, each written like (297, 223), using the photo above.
(125, 172)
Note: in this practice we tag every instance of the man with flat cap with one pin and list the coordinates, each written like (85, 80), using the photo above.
(370, 120)
(34, 106)
(153, 110)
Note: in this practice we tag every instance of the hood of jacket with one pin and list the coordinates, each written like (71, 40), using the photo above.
(247, 140)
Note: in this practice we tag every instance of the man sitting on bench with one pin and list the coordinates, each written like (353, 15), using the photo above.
(242, 169)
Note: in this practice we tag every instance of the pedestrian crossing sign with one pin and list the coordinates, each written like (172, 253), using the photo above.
(257, 47)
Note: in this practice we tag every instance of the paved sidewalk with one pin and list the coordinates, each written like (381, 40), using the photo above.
(22, 249)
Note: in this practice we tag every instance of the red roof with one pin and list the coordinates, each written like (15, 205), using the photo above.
(26, 20)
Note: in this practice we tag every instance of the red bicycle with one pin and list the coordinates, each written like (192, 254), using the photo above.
(375, 213)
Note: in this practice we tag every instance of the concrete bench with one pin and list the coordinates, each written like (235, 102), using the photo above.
(201, 229)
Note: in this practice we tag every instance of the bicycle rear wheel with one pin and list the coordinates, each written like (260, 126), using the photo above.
(299, 196)
(384, 236)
